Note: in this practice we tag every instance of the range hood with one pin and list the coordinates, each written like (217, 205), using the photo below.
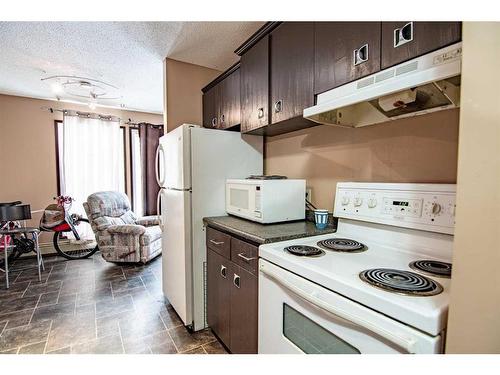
(426, 84)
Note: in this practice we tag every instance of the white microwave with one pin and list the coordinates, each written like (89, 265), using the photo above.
(266, 201)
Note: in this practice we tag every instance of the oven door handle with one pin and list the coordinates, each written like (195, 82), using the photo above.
(404, 342)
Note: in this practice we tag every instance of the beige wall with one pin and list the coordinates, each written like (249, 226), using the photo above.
(27, 147)
(183, 96)
(419, 149)
(474, 318)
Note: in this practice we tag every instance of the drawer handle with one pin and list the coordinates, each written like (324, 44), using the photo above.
(278, 106)
(403, 35)
(217, 243)
(222, 117)
(361, 55)
(214, 122)
(223, 271)
(260, 112)
(245, 258)
(236, 281)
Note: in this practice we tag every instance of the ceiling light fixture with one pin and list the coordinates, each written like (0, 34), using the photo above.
(83, 88)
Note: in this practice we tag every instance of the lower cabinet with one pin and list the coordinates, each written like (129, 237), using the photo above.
(232, 294)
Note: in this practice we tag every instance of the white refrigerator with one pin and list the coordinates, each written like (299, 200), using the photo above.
(197, 162)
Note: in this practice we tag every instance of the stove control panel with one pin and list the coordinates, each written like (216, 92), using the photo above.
(419, 206)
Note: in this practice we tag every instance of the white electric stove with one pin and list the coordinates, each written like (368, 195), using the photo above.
(380, 284)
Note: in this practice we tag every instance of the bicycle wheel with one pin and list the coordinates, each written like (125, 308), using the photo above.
(70, 248)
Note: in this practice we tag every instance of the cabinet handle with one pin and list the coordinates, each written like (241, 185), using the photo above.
(217, 243)
(223, 271)
(222, 117)
(278, 106)
(236, 280)
(260, 112)
(361, 55)
(403, 35)
(245, 258)
(214, 122)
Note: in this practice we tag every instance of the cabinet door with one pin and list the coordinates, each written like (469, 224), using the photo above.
(244, 312)
(344, 52)
(230, 101)
(254, 90)
(292, 70)
(211, 100)
(404, 40)
(219, 286)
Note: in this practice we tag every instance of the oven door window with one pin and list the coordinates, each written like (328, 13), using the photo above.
(310, 337)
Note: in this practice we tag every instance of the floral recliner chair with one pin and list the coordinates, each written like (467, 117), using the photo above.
(121, 236)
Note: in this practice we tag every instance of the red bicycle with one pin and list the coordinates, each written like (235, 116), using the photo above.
(73, 236)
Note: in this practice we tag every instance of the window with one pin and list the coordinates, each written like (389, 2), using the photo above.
(136, 172)
(90, 157)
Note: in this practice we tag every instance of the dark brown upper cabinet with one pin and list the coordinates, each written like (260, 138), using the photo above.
(403, 41)
(221, 100)
(211, 100)
(344, 52)
(292, 70)
(255, 86)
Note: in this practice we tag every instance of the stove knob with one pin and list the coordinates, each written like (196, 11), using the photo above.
(372, 203)
(345, 200)
(358, 201)
(435, 208)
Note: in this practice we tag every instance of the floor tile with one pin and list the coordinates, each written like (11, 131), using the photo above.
(48, 299)
(13, 288)
(215, 347)
(74, 330)
(36, 289)
(66, 350)
(18, 304)
(184, 340)
(159, 343)
(15, 337)
(103, 345)
(93, 296)
(16, 318)
(170, 318)
(118, 305)
(126, 284)
(53, 312)
(37, 348)
(198, 350)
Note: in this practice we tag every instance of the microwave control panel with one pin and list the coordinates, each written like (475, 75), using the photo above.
(420, 206)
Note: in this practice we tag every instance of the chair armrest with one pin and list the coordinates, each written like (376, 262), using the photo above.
(148, 221)
(127, 229)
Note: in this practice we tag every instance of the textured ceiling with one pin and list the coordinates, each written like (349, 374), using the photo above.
(128, 55)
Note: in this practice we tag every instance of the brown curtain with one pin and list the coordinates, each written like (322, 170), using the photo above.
(150, 138)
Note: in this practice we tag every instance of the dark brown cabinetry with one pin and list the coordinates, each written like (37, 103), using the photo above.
(403, 41)
(221, 100)
(344, 52)
(292, 70)
(232, 291)
(255, 86)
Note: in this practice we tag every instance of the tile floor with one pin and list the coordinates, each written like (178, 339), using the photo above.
(91, 306)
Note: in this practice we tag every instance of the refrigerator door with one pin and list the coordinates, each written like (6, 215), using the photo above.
(176, 252)
(178, 158)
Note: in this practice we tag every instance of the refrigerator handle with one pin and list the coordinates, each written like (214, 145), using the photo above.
(157, 165)
(158, 212)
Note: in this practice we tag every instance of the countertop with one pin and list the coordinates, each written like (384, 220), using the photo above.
(265, 233)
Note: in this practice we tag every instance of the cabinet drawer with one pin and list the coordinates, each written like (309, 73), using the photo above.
(245, 255)
(219, 242)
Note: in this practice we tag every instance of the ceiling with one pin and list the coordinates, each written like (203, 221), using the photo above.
(127, 55)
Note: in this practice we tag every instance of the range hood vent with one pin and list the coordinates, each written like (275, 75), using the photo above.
(426, 84)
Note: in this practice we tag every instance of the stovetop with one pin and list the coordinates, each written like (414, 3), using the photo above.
(340, 272)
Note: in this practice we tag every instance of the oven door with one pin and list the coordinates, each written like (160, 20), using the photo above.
(243, 200)
(298, 316)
